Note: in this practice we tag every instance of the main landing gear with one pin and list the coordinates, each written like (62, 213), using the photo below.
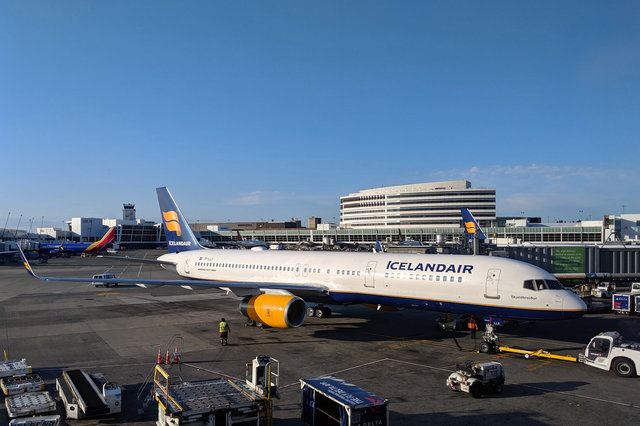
(319, 311)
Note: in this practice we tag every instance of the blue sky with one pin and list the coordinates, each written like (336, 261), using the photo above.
(260, 110)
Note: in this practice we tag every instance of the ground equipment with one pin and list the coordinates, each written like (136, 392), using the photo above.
(609, 351)
(85, 395)
(332, 401)
(29, 404)
(20, 384)
(477, 379)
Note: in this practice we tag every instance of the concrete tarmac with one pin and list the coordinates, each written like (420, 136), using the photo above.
(401, 356)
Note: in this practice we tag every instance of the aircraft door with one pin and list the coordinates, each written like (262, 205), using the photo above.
(297, 270)
(186, 265)
(305, 270)
(491, 285)
(370, 275)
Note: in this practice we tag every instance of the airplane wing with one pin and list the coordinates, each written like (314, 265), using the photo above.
(185, 283)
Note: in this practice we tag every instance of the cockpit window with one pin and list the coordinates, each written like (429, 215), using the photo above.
(537, 285)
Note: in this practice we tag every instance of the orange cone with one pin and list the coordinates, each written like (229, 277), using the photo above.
(159, 356)
(167, 359)
(176, 356)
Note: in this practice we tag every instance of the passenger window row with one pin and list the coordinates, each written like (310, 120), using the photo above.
(422, 277)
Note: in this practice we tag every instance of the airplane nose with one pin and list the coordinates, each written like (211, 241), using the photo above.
(573, 306)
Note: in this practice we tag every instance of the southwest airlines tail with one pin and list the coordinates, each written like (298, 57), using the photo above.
(471, 225)
(179, 235)
(104, 241)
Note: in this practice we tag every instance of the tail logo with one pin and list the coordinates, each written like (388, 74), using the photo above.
(471, 227)
(171, 222)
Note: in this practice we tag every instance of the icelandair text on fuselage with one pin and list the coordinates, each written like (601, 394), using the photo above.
(430, 267)
(179, 243)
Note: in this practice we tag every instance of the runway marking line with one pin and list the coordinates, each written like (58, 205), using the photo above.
(624, 404)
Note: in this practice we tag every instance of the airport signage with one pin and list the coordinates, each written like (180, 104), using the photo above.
(568, 260)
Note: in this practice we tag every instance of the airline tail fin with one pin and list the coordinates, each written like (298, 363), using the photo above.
(378, 247)
(179, 235)
(471, 225)
(108, 238)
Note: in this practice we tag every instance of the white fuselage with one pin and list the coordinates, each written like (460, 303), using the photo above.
(479, 285)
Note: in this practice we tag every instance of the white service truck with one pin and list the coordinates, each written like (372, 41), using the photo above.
(609, 351)
(602, 290)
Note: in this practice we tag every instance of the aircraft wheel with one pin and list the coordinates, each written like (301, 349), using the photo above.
(624, 367)
(476, 390)
(311, 311)
(484, 348)
(323, 312)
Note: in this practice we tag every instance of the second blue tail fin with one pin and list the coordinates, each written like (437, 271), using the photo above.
(179, 235)
(470, 224)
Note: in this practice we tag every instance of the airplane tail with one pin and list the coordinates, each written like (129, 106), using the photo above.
(108, 238)
(179, 235)
(471, 225)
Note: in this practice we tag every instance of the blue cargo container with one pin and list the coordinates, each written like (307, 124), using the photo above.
(622, 303)
(331, 401)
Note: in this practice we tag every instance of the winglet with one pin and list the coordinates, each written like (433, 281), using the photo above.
(26, 264)
(378, 247)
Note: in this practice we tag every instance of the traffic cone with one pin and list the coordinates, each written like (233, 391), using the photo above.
(167, 359)
(159, 356)
(176, 356)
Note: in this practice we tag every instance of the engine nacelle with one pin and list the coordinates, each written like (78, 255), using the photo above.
(275, 310)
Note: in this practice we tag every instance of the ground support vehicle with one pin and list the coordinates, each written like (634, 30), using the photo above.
(477, 379)
(86, 395)
(602, 290)
(14, 368)
(98, 277)
(329, 400)
(21, 384)
(28, 404)
(623, 303)
(609, 351)
(220, 402)
(52, 420)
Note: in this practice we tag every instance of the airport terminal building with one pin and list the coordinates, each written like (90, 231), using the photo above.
(420, 205)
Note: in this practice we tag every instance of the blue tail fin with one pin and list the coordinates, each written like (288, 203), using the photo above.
(471, 226)
(179, 235)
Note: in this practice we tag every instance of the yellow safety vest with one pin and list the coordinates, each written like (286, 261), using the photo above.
(223, 327)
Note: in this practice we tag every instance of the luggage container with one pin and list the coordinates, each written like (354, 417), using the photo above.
(332, 401)
(622, 303)
(14, 368)
(53, 420)
(29, 404)
(21, 384)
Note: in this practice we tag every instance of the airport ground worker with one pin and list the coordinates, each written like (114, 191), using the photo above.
(224, 332)
(472, 327)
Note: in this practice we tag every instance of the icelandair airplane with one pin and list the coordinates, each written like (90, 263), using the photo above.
(275, 284)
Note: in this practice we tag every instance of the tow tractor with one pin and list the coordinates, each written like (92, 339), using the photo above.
(477, 379)
(607, 351)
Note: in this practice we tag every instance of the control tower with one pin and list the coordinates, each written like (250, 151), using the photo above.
(128, 211)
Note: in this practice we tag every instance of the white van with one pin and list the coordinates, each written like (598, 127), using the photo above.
(102, 277)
